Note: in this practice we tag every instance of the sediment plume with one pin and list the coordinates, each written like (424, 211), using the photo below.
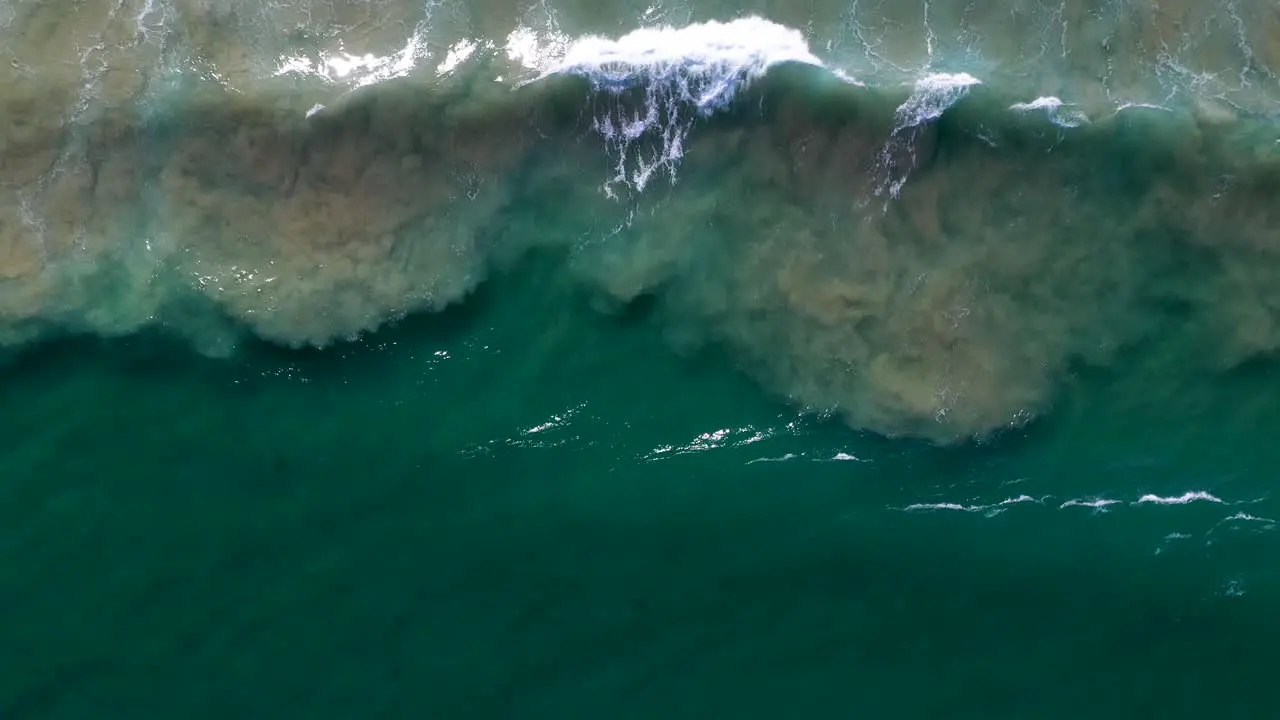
(926, 259)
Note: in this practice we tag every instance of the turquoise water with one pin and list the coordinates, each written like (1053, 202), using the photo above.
(492, 513)
(855, 362)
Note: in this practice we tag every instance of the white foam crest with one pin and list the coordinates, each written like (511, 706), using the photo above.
(1183, 499)
(915, 507)
(1019, 499)
(712, 440)
(992, 508)
(457, 54)
(930, 97)
(1246, 517)
(346, 68)
(685, 72)
(555, 422)
(536, 49)
(1059, 113)
(783, 458)
(1095, 503)
(707, 61)
(1100, 505)
(1243, 521)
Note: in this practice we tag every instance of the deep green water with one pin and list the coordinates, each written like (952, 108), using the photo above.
(374, 530)
(847, 360)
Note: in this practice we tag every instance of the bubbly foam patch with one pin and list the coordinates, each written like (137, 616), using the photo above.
(1059, 113)
(931, 96)
(685, 73)
(710, 60)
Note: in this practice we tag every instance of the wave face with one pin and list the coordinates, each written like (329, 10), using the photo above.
(924, 232)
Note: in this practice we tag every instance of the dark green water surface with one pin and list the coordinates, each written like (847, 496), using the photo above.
(521, 508)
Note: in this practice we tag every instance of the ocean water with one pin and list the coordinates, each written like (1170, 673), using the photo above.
(624, 360)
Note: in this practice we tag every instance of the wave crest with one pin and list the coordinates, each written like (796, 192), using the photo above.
(1011, 244)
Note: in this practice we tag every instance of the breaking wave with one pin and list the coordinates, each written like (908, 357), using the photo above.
(928, 259)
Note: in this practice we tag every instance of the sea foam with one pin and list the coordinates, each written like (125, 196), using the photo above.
(684, 72)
